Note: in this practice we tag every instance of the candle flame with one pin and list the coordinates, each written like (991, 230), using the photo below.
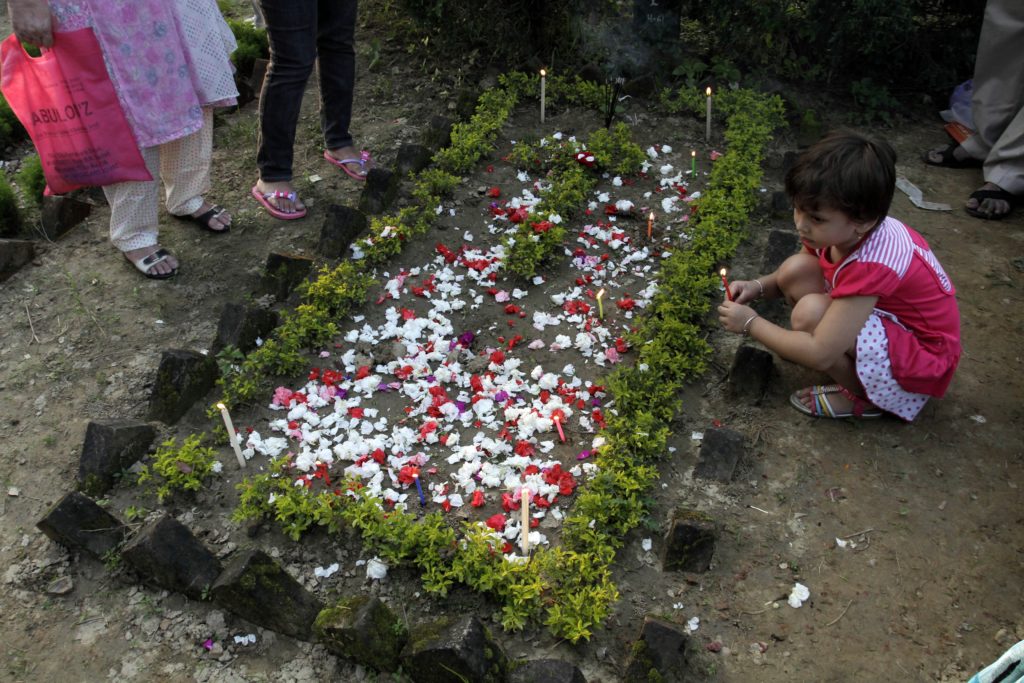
(543, 73)
(708, 91)
(651, 216)
(600, 293)
(693, 153)
(221, 406)
(722, 272)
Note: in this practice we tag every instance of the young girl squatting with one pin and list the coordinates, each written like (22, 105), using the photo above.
(871, 305)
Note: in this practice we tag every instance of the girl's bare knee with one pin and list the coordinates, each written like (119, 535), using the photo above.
(800, 275)
(808, 312)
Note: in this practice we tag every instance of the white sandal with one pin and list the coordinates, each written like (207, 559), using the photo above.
(145, 263)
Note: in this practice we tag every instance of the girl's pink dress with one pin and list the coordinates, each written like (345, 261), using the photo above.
(166, 58)
(910, 347)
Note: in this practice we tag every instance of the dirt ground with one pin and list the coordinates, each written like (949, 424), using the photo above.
(927, 588)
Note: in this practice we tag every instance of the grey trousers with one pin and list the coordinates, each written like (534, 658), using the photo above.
(998, 101)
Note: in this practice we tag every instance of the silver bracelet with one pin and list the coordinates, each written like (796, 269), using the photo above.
(746, 325)
(761, 295)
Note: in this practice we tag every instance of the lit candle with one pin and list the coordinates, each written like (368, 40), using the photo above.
(543, 88)
(600, 306)
(725, 283)
(693, 162)
(232, 434)
(650, 225)
(707, 129)
(419, 489)
(524, 507)
(558, 425)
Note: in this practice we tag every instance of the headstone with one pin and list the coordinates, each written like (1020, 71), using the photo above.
(259, 72)
(781, 206)
(61, 213)
(111, 446)
(690, 542)
(452, 649)
(720, 451)
(657, 21)
(546, 671)
(341, 227)
(593, 73)
(751, 373)
(363, 629)
(659, 654)
(241, 325)
(183, 378)
(13, 255)
(79, 524)
(167, 554)
(781, 245)
(438, 133)
(643, 86)
(258, 589)
(412, 158)
(284, 272)
(379, 193)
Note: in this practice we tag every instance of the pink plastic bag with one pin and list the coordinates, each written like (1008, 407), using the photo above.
(67, 103)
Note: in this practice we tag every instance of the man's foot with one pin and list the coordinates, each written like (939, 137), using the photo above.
(212, 217)
(951, 156)
(990, 202)
(354, 162)
(154, 262)
(281, 196)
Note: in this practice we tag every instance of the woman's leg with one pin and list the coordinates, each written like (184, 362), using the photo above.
(133, 215)
(292, 30)
(336, 68)
(185, 170)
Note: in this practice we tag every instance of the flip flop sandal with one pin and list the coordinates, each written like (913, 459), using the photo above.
(204, 219)
(264, 197)
(982, 195)
(364, 162)
(822, 407)
(144, 264)
(949, 160)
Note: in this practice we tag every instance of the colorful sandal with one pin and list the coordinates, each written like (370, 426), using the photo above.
(822, 407)
(265, 197)
(365, 162)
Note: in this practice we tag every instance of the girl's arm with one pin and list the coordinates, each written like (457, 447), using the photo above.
(31, 21)
(835, 335)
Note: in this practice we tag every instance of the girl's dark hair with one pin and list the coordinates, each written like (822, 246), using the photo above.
(844, 171)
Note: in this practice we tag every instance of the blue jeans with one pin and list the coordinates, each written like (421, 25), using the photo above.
(304, 33)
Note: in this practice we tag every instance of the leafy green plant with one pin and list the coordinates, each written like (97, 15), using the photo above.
(177, 468)
(11, 130)
(31, 180)
(252, 45)
(10, 214)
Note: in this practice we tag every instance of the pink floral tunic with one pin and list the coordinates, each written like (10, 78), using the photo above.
(166, 58)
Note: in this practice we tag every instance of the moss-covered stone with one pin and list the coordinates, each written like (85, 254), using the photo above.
(256, 588)
(363, 629)
(453, 649)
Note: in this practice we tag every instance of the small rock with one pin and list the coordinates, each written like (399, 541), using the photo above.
(62, 585)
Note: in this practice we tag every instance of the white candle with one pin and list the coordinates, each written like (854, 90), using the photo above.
(232, 435)
(524, 506)
(707, 129)
(543, 88)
